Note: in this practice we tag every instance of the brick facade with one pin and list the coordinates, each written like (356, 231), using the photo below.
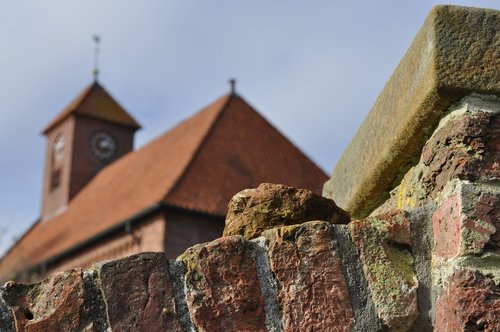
(184, 229)
(146, 236)
(85, 165)
(55, 200)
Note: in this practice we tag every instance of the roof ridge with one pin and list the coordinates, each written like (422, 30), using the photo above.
(112, 112)
(288, 139)
(114, 100)
(199, 148)
(72, 106)
(175, 196)
(80, 99)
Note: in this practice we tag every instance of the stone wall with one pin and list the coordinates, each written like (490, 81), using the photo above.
(455, 191)
(294, 261)
(420, 250)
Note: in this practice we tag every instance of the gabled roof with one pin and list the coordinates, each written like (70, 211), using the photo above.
(241, 151)
(96, 102)
(198, 165)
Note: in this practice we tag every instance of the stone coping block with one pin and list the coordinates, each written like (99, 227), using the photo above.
(455, 53)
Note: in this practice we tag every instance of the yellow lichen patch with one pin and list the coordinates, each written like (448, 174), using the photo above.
(405, 192)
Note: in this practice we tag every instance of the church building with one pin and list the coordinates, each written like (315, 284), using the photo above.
(103, 200)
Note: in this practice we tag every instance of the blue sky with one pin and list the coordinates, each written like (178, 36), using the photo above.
(313, 68)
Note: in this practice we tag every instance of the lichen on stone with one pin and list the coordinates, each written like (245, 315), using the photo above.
(383, 243)
(252, 211)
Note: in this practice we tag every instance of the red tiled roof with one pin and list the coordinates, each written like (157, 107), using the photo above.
(199, 165)
(96, 102)
(242, 151)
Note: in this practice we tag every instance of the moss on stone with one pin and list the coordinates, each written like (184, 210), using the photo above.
(402, 261)
(190, 260)
(472, 242)
(388, 266)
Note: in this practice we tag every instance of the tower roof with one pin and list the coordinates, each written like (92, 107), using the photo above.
(198, 166)
(96, 102)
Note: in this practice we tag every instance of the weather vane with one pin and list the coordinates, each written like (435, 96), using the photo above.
(232, 85)
(97, 40)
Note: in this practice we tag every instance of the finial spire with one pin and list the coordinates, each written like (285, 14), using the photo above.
(97, 40)
(232, 86)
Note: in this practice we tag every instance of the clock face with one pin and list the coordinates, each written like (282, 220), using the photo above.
(58, 147)
(103, 145)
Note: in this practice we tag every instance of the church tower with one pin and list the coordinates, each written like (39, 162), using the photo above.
(93, 131)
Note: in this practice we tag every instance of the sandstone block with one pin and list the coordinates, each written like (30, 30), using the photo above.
(455, 53)
(55, 304)
(312, 291)
(252, 211)
(138, 294)
(470, 302)
(384, 246)
(222, 286)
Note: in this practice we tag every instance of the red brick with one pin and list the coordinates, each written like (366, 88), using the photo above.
(470, 302)
(464, 148)
(466, 222)
(446, 226)
(223, 291)
(55, 304)
(138, 294)
(312, 294)
(487, 209)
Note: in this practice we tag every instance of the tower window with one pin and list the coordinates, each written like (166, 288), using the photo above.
(55, 179)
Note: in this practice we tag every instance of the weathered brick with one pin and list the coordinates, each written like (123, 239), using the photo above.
(252, 211)
(487, 209)
(461, 149)
(470, 302)
(467, 221)
(223, 291)
(55, 304)
(465, 146)
(312, 291)
(384, 245)
(138, 294)
(446, 225)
